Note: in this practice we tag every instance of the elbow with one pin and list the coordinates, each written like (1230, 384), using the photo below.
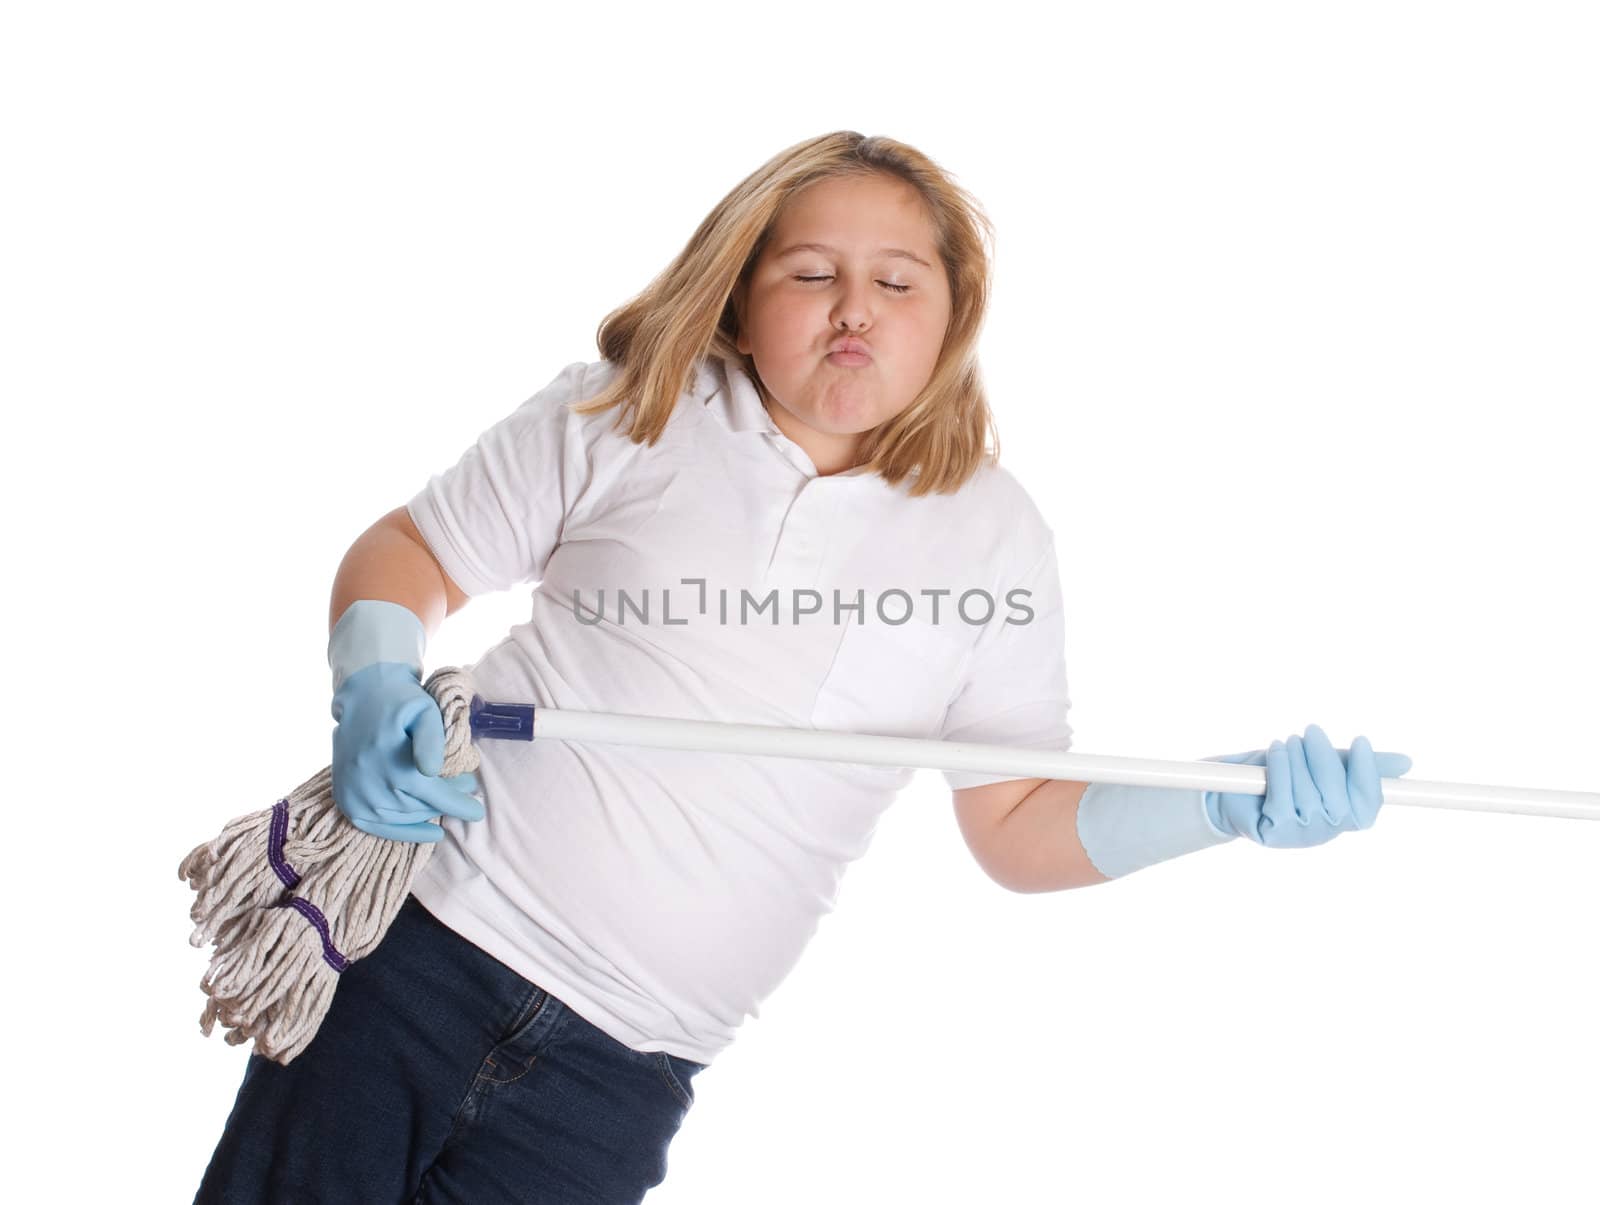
(1022, 885)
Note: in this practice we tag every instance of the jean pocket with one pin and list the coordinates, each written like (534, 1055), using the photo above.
(678, 1074)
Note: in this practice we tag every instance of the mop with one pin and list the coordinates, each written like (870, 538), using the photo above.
(291, 895)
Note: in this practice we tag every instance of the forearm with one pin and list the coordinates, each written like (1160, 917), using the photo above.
(390, 564)
(1038, 841)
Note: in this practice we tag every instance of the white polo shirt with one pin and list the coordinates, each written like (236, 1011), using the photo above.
(663, 894)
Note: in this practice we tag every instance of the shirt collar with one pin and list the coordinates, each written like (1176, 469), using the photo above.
(731, 396)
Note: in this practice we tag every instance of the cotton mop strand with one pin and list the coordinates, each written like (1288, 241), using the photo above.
(294, 894)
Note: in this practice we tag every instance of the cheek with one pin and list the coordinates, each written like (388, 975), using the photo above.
(783, 326)
(923, 336)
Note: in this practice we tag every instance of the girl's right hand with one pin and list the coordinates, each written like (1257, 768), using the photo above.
(388, 750)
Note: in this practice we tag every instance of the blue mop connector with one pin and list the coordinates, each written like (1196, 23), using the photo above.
(501, 721)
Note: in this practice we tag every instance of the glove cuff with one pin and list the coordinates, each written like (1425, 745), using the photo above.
(1124, 829)
(373, 630)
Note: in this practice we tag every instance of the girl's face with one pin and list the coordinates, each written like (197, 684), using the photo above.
(872, 273)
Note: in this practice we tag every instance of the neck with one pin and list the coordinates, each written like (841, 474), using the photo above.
(829, 454)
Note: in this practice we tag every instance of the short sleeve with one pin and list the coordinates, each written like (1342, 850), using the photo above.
(1016, 688)
(493, 519)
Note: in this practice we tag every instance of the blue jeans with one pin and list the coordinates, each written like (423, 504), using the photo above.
(439, 1074)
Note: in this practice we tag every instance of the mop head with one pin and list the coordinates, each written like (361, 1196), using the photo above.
(292, 895)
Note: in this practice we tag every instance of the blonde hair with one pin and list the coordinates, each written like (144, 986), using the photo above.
(687, 312)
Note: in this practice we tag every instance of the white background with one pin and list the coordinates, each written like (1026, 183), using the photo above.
(1293, 340)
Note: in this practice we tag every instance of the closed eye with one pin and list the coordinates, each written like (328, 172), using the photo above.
(884, 283)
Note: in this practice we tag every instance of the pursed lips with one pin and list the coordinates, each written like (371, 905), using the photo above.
(850, 348)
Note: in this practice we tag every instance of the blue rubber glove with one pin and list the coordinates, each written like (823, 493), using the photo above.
(388, 748)
(1314, 791)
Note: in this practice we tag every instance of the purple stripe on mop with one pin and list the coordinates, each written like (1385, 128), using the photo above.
(307, 909)
(278, 834)
(287, 876)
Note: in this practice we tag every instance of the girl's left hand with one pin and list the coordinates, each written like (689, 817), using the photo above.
(1314, 791)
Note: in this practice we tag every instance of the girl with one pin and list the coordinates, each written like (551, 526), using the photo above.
(782, 448)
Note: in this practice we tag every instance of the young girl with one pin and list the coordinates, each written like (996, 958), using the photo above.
(768, 502)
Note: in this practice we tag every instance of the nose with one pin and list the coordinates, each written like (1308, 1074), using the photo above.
(852, 307)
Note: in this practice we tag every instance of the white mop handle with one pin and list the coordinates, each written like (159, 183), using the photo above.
(712, 736)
